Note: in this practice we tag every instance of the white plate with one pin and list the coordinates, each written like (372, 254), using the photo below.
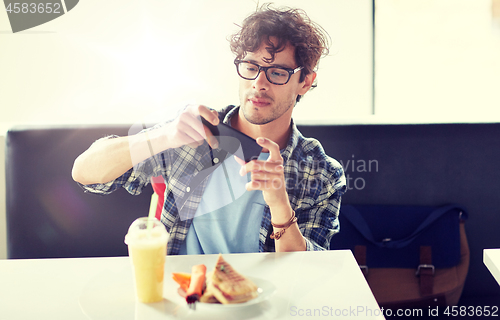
(265, 290)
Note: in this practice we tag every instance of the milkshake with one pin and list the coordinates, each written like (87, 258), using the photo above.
(147, 246)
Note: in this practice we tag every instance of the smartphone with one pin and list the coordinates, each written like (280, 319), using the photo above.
(233, 141)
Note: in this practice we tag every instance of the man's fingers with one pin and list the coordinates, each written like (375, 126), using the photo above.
(191, 129)
(239, 160)
(271, 184)
(210, 115)
(273, 147)
(191, 123)
(192, 118)
(189, 141)
(262, 176)
(274, 166)
(211, 140)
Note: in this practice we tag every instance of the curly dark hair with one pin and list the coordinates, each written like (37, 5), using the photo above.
(287, 25)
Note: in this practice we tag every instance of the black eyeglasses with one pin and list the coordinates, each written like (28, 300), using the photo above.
(276, 75)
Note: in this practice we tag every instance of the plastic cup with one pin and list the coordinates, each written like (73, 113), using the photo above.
(147, 247)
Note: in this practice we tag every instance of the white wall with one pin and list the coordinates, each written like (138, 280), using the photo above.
(115, 61)
(438, 60)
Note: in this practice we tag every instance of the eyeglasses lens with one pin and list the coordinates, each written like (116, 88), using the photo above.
(250, 71)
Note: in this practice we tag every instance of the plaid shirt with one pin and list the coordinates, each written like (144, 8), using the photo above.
(314, 181)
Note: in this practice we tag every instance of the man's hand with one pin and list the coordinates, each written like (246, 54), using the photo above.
(187, 128)
(268, 176)
(107, 159)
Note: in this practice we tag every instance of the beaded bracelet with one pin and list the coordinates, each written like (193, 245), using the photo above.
(277, 235)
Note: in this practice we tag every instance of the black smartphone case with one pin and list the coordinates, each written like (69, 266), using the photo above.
(233, 141)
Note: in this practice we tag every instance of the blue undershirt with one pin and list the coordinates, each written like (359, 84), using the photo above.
(228, 218)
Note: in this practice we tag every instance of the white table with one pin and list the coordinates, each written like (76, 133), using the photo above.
(320, 284)
(491, 258)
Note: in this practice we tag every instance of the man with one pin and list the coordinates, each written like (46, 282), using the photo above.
(291, 194)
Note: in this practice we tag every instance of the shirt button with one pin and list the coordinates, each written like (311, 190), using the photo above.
(216, 160)
(188, 189)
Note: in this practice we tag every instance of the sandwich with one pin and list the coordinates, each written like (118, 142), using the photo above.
(227, 286)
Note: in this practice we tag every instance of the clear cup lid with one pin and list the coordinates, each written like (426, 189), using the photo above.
(146, 232)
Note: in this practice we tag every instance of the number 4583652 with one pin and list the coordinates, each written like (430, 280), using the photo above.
(25, 7)
(474, 311)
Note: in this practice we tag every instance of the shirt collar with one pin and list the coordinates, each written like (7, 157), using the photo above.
(230, 113)
(292, 143)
